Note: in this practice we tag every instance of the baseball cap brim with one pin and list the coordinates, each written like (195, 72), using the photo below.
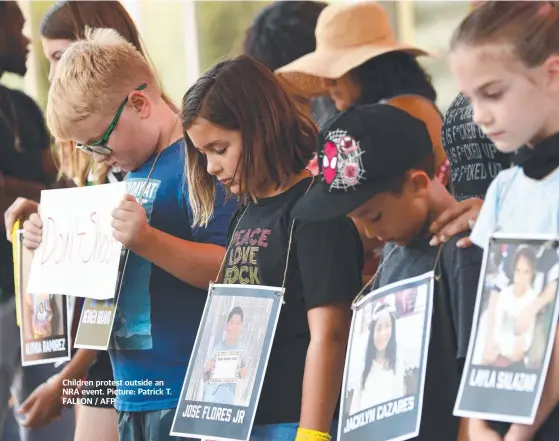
(321, 204)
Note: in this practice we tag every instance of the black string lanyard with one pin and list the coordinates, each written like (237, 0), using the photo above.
(219, 273)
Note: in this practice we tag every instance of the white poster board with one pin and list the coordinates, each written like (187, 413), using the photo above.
(226, 366)
(78, 255)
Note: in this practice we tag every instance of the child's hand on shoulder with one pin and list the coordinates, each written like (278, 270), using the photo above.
(130, 223)
(456, 219)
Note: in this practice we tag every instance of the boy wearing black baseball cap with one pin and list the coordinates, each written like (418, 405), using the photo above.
(377, 166)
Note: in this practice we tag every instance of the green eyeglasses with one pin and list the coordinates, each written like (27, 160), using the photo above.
(100, 147)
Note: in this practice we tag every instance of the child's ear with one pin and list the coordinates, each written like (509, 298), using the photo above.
(419, 180)
(551, 66)
(141, 104)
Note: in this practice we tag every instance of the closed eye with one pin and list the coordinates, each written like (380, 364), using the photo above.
(377, 218)
(493, 96)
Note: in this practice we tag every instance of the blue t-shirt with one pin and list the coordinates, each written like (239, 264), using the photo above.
(158, 315)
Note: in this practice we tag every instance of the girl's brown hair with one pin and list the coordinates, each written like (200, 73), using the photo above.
(530, 28)
(67, 20)
(278, 134)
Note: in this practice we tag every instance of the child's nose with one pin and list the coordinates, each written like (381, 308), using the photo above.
(213, 168)
(481, 116)
(370, 231)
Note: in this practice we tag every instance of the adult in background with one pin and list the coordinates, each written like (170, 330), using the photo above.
(283, 32)
(474, 159)
(280, 34)
(65, 22)
(26, 168)
(358, 61)
(474, 163)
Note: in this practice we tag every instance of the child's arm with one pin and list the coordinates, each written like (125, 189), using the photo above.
(192, 262)
(549, 400)
(45, 402)
(479, 430)
(329, 255)
(462, 268)
(329, 326)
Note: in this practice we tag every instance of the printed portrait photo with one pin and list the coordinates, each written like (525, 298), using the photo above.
(231, 348)
(516, 312)
(386, 349)
(43, 316)
(107, 303)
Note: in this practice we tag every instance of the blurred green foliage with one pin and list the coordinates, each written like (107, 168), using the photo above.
(221, 28)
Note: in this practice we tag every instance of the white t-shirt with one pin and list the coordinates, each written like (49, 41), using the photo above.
(509, 308)
(381, 385)
(516, 204)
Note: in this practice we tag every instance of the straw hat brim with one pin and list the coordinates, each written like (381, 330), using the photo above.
(307, 74)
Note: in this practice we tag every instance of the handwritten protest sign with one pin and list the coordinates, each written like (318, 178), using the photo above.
(78, 255)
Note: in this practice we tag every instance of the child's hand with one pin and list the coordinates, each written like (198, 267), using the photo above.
(43, 405)
(21, 209)
(130, 223)
(455, 220)
(32, 232)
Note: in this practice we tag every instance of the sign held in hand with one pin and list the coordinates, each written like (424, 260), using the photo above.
(78, 255)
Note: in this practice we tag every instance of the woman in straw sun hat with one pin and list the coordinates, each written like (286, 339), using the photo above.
(358, 61)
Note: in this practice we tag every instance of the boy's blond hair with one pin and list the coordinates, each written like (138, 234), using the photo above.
(93, 77)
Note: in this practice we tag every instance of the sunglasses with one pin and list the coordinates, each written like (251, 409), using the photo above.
(100, 147)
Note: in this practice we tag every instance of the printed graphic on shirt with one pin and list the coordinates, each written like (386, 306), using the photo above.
(342, 166)
(474, 159)
(513, 332)
(384, 375)
(132, 326)
(242, 260)
(226, 371)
